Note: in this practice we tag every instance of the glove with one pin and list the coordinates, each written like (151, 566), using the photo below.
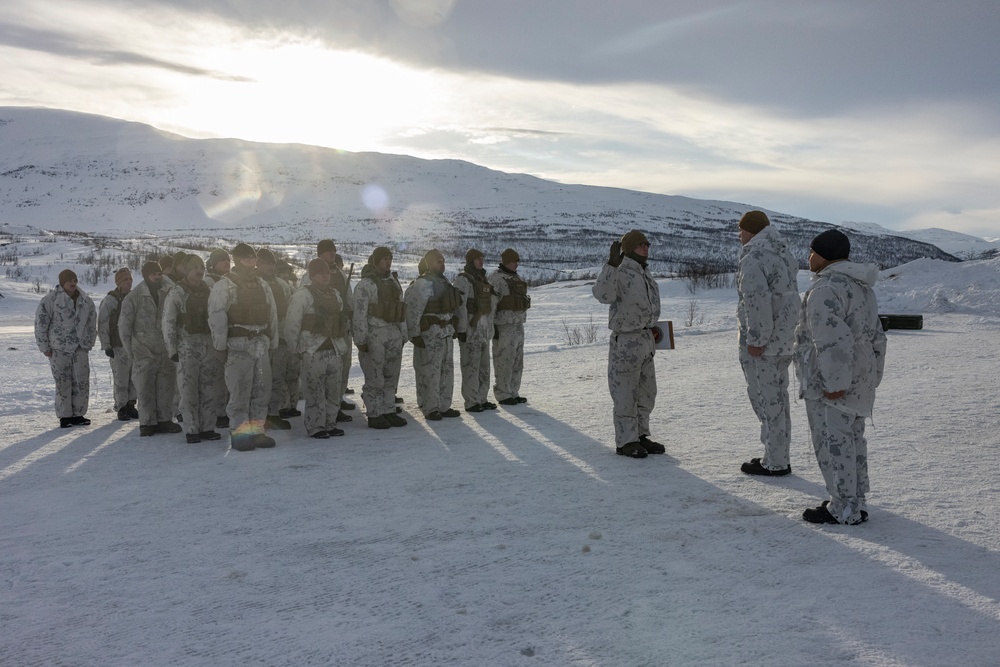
(175, 358)
(417, 341)
(363, 347)
(615, 256)
(460, 335)
(496, 332)
(110, 353)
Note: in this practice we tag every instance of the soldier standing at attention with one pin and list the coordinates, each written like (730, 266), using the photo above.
(282, 293)
(189, 344)
(327, 251)
(219, 264)
(155, 376)
(508, 334)
(379, 333)
(479, 302)
(627, 286)
(432, 305)
(65, 331)
(111, 342)
(840, 357)
(315, 329)
(244, 321)
(768, 305)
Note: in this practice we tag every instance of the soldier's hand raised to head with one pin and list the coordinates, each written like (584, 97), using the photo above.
(615, 257)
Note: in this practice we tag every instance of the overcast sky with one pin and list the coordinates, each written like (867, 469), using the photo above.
(884, 111)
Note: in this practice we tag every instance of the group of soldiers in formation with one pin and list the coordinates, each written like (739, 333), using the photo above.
(235, 345)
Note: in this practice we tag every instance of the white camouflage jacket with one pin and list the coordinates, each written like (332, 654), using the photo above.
(631, 293)
(768, 306)
(139, 322)
(298, 339)
(63, 323)
(839, 342)
(221, 299)
(483, 329)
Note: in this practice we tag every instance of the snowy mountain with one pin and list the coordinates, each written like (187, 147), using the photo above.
(963, 246)
(62, 170)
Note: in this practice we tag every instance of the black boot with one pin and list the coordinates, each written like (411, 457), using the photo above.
(222, 421)
(210, 435)
(123, 415)
(80, 420)
(65, 422)
(168, 427)
(275, 422)
(146, 430)
(193, 438)
(132, 412)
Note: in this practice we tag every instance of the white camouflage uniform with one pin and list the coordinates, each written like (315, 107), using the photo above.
(121, 363)
(840, 345)
(221, 391)
(280, 391)
(347, 298)
(474, 352)
(66, 329)
(384, 340)
(434, 364)
(508, 346)
(248, 363)
(634, 300)
(198, 366)
(153, 373)
(321, 368)
(767, 309)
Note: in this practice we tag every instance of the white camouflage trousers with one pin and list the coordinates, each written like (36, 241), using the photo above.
(381, 365)
(121, 378)
(632, 382)
(321, 377)
(474, 359)
(155, 379)
(434, 367)
(279, 379)
(293, 373)
(197, 370)
(71, 371)
(248, 378)
(508, 361)
(345, 363)
(767, 388)
(841, 450)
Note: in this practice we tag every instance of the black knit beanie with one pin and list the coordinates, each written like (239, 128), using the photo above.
(832, 245)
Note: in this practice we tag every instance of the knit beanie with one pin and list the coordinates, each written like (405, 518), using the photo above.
(338, 260)
(326, 245)
(191, 263)
(832, 245)
(121, 275)
(149, 268)
(179, 258)
(243, 250)
(473, 255)
(509, 256)
(318, 266)
(265, 256)
(754, 221)
(66, 275)
(166, 263)
(379, 254)
(421, 267)
(632, 240)
(216, 256)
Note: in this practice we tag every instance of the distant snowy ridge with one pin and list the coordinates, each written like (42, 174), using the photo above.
(958, 244)
(62, 170)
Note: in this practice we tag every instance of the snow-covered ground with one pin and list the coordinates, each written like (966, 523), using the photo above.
(517, 537)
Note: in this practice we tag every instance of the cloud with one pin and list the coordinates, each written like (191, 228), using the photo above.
(67, 46)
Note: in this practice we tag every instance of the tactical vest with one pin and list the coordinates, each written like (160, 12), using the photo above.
(116, 338)
(388, 305)
(280, 302)
(326, 321)
(251, 307)
(518, 299)
(482, 301)
(441, 307)
(194, 319)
